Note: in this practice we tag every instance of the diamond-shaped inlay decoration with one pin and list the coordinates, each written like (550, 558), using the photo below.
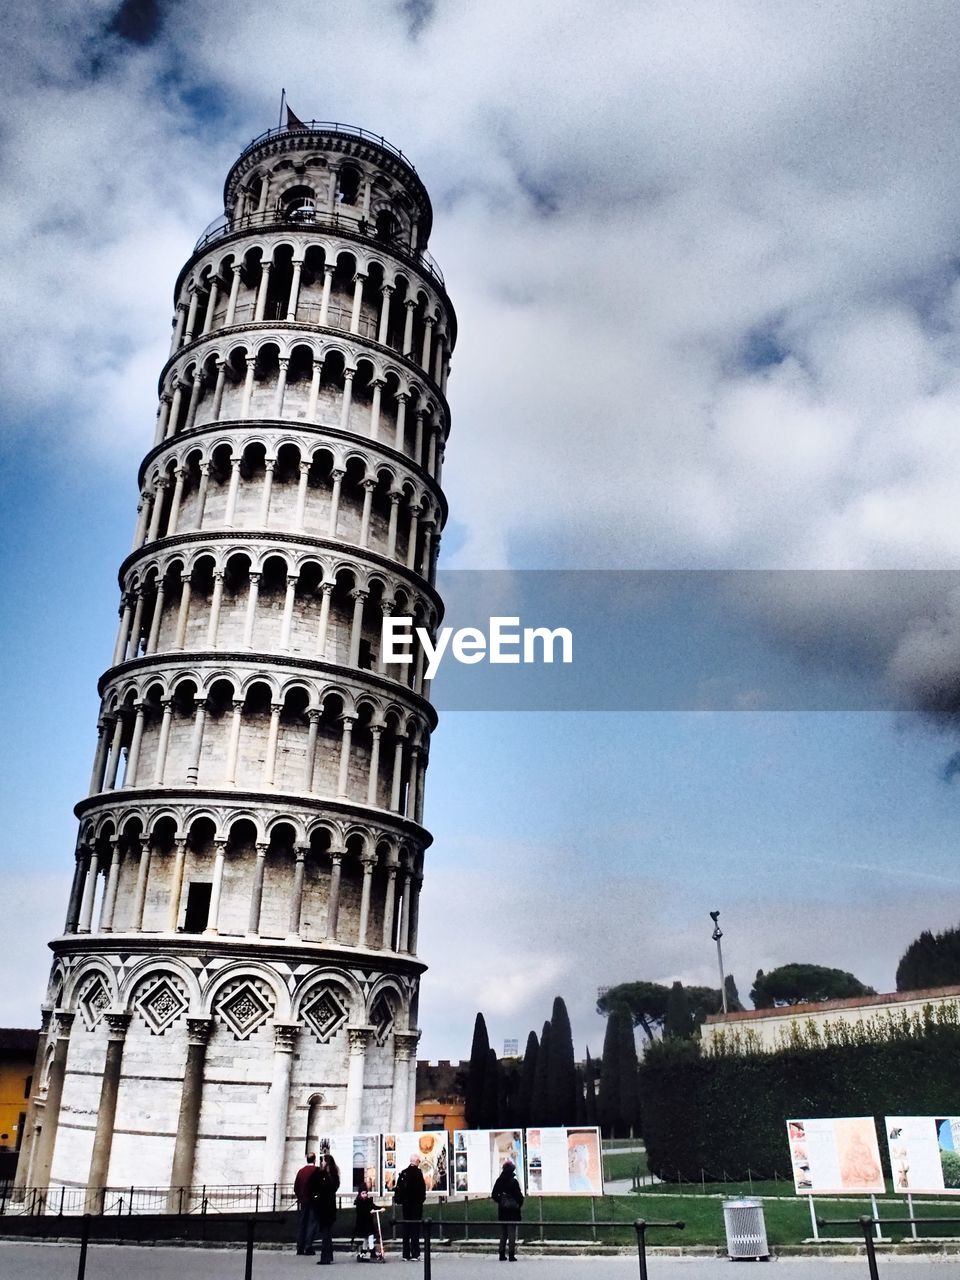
(325, 1013)
(160, 1004)
(94, 1002)
(381, 1019)
(243, 1009)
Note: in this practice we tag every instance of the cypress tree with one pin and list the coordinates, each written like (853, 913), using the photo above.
(678, 1023)
(490, 1110)
(608, 1102)
(561, 1101)
(476, 1075)
(589, 1093)
(734, 1004)
(629, 1077)
(538, 1097)
(527, 1073)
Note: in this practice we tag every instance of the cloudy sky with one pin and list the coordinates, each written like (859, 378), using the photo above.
(706, 263)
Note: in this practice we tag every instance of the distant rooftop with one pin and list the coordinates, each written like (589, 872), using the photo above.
(929, 995)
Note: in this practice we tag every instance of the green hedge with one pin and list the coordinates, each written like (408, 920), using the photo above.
(723, 1111)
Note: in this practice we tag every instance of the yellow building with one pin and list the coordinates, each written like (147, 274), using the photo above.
(18, 1049)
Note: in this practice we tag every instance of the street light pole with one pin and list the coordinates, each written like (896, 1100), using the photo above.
(717, 935)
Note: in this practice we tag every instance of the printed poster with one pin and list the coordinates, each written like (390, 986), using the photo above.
(835, 1156)
(479, 1155)
(430, 1148)
(564, 1162)
(924, 1154)
(357, 1157)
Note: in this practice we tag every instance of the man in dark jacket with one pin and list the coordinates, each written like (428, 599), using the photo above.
(506, 1191)
(323, 1188)
(409, 1195)
(307, 1229)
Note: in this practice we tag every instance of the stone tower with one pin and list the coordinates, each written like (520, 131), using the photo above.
(238, 967)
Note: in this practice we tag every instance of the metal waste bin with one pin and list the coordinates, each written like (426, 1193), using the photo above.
(746, 1228)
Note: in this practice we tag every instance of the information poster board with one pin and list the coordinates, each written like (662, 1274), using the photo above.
(835, 1156)
(357, 1157)
(431, 1150)
(924, 1154)
(479, 1155)
(564, 1162)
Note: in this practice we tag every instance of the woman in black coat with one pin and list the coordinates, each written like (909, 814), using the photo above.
(323, 1192)
(506, 1191)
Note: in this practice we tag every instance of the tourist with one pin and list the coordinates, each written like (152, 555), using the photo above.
(307, 1227)
(323, 1192)
(506, 1192)
(408, 1197)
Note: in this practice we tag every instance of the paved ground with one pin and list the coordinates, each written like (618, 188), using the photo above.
(128, 1262)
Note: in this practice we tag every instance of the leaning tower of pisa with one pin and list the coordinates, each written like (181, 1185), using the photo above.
(238, 968)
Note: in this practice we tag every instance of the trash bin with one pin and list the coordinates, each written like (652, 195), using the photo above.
(746, 1229)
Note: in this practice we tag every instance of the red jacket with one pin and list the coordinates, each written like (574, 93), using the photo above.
(300, 1182)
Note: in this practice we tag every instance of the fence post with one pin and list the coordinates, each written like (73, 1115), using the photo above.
(427, 1230)
(62, 1193)
(540, 1215)
(274, 1197)
(256, 1199)
(640, 1227)
(248, 1265)
(593, 1218)
(913, 1225)
(6, 1186)
(84, 1237)
(130, 1203)
(866, 1223)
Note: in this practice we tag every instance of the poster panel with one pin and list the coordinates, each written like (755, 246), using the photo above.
(479, 1155)
(430, 1148)
(924, 1154)
(358, 1159)
(564, 1162)
(835, 1156)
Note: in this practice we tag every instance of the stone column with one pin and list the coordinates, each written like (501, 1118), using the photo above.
(404, 1047)
(428, 323)
(397, 780)
(45, 1139)
(143, 876)
(296, 896)
(176, 885)
(410, 306)
(133, 640)
(202, 492)
(328, 271)
(294, 297)
(356, 626)
(416, 884)
(372, 778)
(359, 1039)
(347, 399)
(81, 862)
(232, 491)
(310, 759)
(418, 437)
(191, 317)
(388, 905)
(438, 363)
(385, 292)
(395, 499)
(234, 292)
(123, 631)
(261, 304)
(163, 740)
(285, 1039)
(402, 398)
(107, 1110)
(180, 639)
(343, 776)
(212, 300)
(110, 893)
(89, 892)
(251, 617)
(256, 897)
(216, 603)
(99, 758)
(337, 476)
(412, 540)
(386, 608)
(153, 638)
(284, 363)
(333, 906)
(327, 590)
(218, 390)
(314, 396)
(268, 468)
(287, 620)
(178, 327)
(143, 517)
(368, 861)
(273, 734)
(233, 747)
(185, 1146)
(413, 776)
(301, 508)
(113, 761)
(247, 394)
(133, 759)
(173, 418)
(358, 280)
(220, 850)
(193, 403)
(368, 488)
(402, 932)
(196, 745)
(377, 384)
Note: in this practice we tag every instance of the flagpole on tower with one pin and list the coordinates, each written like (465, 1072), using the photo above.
(283, 98)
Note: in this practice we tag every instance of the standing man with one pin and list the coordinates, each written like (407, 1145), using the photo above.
(307, 1229)
(410, 1193)
(506, 1192)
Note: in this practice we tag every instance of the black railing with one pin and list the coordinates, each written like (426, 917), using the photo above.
(867, 1224)
(641, 1226)
(357, 227)
(331, 126)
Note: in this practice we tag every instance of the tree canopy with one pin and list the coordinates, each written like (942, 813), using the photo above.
(647, 1002)
(932, 960)
(804, 984)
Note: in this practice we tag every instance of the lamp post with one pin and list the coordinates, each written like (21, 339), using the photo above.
(717, 935)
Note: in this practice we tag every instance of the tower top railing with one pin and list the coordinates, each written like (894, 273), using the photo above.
(330, 126)
(358, 228)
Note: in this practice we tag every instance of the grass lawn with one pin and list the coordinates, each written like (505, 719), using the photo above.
(622, 1164)
(577, 1218)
